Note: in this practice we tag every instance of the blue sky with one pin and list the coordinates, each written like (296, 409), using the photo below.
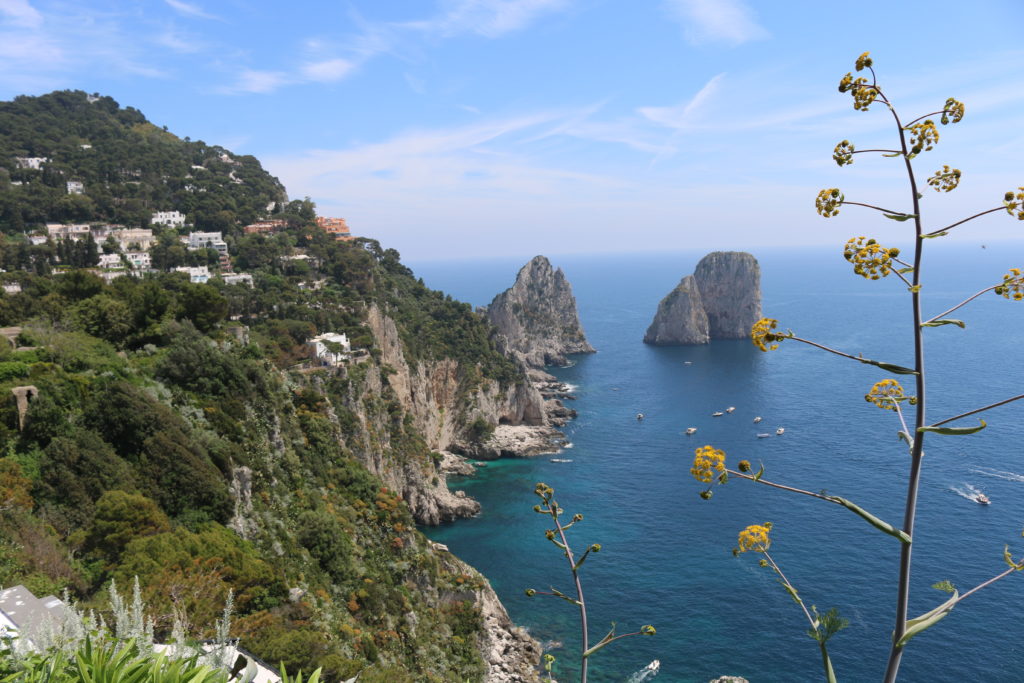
(467, 128)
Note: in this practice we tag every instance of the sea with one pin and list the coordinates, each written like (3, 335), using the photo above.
(666, 556)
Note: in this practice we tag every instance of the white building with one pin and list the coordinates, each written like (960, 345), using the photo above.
(207, 240)
(110, 261)
(75, 187)
(238, 279)
(35, 163)
(71, 231)
(198, 275)
(141, 238)
(333, 356)
(173, 219)
(12, 288)
(139, 260)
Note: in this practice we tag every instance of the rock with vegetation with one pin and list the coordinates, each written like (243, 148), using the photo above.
(721, 300)
(536, 318)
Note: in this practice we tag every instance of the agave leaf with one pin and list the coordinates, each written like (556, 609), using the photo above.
(954, 431)
(915, 626)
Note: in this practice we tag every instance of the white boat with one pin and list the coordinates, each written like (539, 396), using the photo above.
(653, 667)
(691, 430)
(561, 459)
(639, 416)
(763, 436)
(479, 464)
(982, 499)
(780, 430)
(717, 413)
(687, 362)
(730, 409)
(757, 419)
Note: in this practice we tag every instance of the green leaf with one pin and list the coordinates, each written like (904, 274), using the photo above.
(888, 367)
(945, 321)
(946, 586)
(954, 431)
(938, 234)
(871, 519)
(903, 436)
(904, 271)
(830, 674)
(915, 626)
(894, 154)
(900, 217)
(760, 473)
(914, 289)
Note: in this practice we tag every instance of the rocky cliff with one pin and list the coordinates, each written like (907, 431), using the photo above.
(681, 318)
(721, 300)
(536, 318)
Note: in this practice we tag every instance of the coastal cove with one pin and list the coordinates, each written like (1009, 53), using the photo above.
(666, 556)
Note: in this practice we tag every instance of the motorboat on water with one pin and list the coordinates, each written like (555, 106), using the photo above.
(982, 499)
(757, 419)
(639, 416)
(653, 667)
(561, 459)
(763, 436)
(730, 409)
(691, 430)
(717, 413)
(780, 431)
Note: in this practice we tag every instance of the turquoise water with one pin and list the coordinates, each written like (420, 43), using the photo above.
(666, 558)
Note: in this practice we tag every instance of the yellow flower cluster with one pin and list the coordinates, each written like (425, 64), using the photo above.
(706, 461)
(864, 61)
(886, 394)
(1014, 203)
(923, 136)
(755, 538)
(828, 202)
(869, 258)
(1013, 285)
(945, 180)
(762, 336)
(843, 153)
(953, 111)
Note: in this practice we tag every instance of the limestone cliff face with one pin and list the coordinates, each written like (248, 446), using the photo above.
(439, 402)
(730, 286)
(721, 300)
(681, 318)
(536, 318)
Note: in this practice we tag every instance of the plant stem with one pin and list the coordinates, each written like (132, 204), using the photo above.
(876, 208)
(978, 410)
(987, 583)
(917, 449)
(959, 305)
(553, 507)
(949, 227)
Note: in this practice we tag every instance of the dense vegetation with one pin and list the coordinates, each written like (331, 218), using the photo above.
(178, 437)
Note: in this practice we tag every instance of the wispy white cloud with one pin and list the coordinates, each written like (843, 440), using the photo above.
(682, 115)
(179, 42)
(709, 21)
(327, 71)
(488, 18)
(20, 13)
(256, 81)
(190, 9)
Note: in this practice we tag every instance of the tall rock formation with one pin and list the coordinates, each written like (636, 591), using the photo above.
(681, 318)
(721, 300)
(730, 286)
(536, 318)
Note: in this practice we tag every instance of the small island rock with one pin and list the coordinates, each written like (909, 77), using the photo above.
(681, 318)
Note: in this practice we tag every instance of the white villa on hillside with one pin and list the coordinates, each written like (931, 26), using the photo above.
(340, 348)
(198, 275)
(173, 219)
(207, 240)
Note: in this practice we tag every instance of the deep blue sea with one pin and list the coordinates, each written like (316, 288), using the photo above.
(666, 557)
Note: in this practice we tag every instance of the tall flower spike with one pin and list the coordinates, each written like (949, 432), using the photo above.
(945, 180)
(763, 337)
(843, 153)
(869, 258)
(886, 394)
(1014, 203)
(952, 112)
(829, 201)
(923, 136)
(707, 461)
(1013, 285)
(755, 538)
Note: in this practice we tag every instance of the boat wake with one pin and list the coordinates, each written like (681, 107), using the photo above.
(646, 673)
(968, 491)
(999, 474)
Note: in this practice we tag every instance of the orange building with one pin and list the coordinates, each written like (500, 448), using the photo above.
(334, 226)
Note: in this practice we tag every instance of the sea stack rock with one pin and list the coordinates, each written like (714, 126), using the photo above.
(681, 318)
(721, 300)
(536, 318)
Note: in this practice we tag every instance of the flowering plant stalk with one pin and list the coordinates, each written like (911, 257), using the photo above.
(873, 261)
(557, 536)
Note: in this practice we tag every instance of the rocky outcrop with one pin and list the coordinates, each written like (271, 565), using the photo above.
(721, 300)
(730, 286)
(681, 318)
(22, 395)
(536, 319)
